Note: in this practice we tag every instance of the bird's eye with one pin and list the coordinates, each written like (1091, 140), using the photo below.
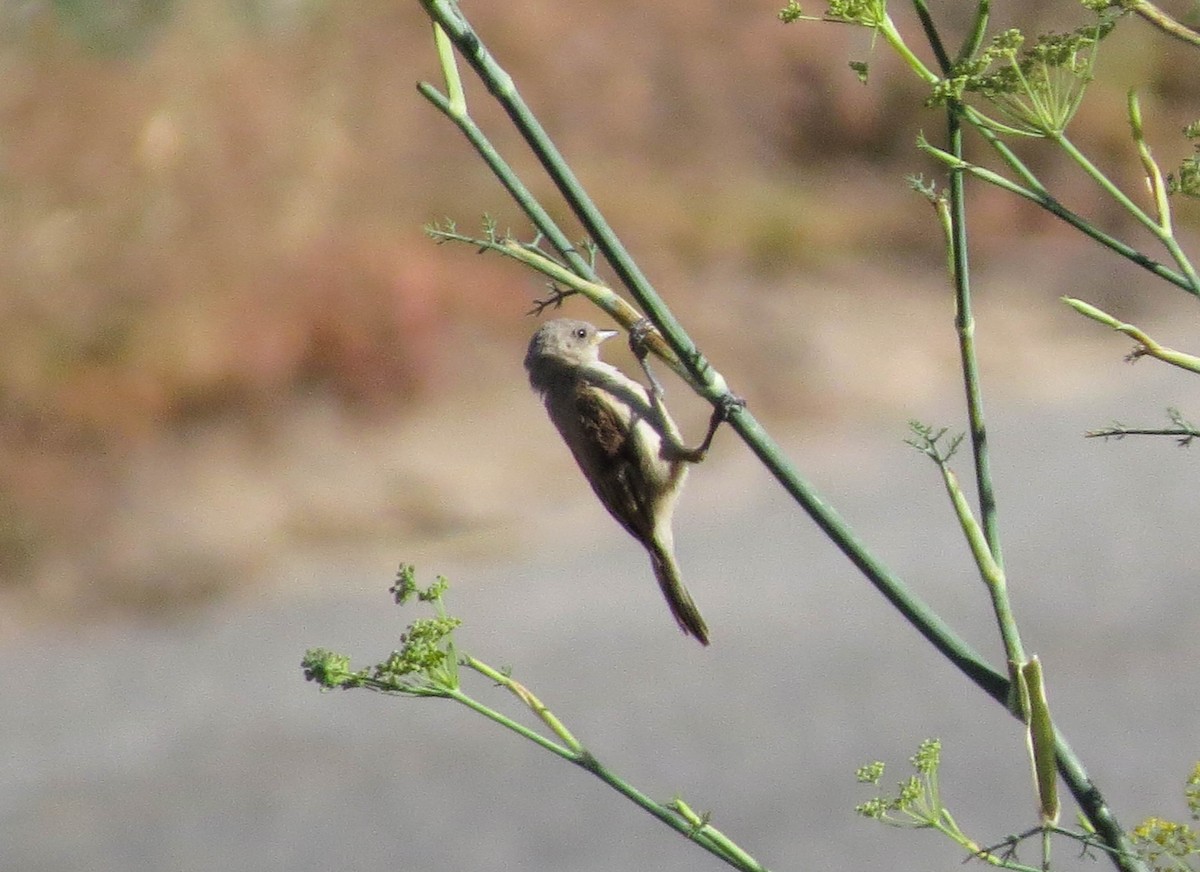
(581, 333)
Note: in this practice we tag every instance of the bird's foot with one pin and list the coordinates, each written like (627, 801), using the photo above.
(639, 335)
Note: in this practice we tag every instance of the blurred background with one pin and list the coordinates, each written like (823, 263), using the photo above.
(238, 385)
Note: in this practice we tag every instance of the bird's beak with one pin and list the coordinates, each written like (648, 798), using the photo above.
(601, 335)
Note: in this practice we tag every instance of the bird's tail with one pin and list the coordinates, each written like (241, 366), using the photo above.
(677, 596)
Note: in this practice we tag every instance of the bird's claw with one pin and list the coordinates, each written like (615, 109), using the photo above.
(728, 405)
(639, 334)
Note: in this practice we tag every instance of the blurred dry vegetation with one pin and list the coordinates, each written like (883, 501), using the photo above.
(211, 227)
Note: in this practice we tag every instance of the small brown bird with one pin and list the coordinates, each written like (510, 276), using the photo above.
(624, 441)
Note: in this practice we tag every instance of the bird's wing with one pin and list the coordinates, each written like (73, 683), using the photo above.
(608, 454)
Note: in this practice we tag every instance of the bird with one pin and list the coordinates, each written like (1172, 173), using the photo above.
(624, 441)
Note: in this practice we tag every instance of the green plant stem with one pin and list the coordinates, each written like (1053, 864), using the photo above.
(577, 273)
(1037, 193)
(964, 321)
(601, 295)
(701, 821)
(1158, 187)
(1040, 738)
(1165, 229)
(990, 560)
(894, 38)
(523, 693)
(933, 36)
(522, 196)
(977, 33)
(990, 570)
(1147, 345)
(917, 612)
(710, 385)
(692, 827)
(1162, 234)
(1166, 23)
(705, 379)
(914, 610)
(456, 102)
(1122, 432)
(1069, 765)
(509, 724)
(965, 325)
(714, 842)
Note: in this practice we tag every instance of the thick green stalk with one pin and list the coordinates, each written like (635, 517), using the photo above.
(964, 320)
(915, 611)
(964, 323)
